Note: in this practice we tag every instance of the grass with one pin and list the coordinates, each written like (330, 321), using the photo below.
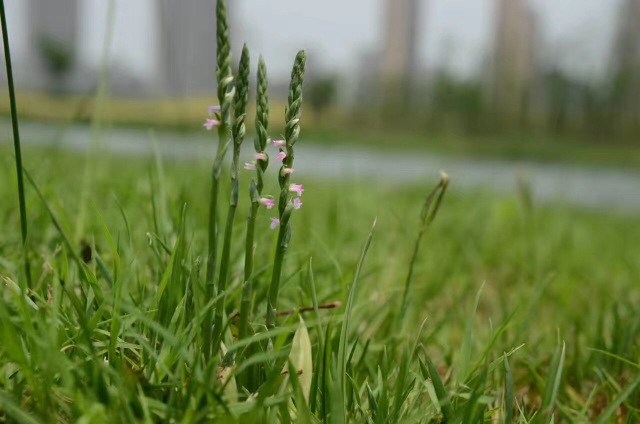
(498, 311)
(99, 340)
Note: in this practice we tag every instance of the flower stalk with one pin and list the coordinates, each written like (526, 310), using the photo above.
(226, 94)
(292, 133)
(255, 192)
(238, 131)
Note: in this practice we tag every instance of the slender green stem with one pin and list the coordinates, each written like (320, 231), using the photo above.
(212, 257)
(284, 235)
(238, 131)
(224, 261)
(426, 218)
(247, 289)
(255, 191)
(292, 132)
(16, 144)
(226, 93)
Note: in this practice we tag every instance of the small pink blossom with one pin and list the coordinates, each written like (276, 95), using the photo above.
(281, 155)
(261, 156)
(210, 123)
(296, 188)
(287, 171)
(275, 223)
(268, 202)
(213, 109)
(279, 143)
(249, 166)
(297, 203)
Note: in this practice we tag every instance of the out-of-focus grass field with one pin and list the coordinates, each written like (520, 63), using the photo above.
(334, 126)
(541, 274)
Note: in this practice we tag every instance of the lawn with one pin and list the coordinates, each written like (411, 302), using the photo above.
(517, 311)
(148, 290)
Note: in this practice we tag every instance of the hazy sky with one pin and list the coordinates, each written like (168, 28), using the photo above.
(455, 33)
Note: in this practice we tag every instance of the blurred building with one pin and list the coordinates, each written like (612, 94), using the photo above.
(626, 62)
(187, 42)
(52, 38)
(514, 60)
(400, 62)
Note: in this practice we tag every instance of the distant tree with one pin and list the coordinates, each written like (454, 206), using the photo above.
(58, 59)
(321, 93)
(456, 103)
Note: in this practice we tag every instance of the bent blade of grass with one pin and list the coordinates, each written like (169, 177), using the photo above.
(344, 332)
(617, 357)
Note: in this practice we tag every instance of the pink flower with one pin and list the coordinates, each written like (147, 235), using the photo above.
(275, 223)
(281, 155)
(279, 143)
(261, 156)
(249, 166)
(296, 188)
(287, 171)
(213, 109)
(297, 203)
(210, 123)
(268, 202)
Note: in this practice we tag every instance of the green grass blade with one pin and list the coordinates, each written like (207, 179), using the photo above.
(605, 417)
(465, 350)
(16, 144)
(344, 332)
(553, 384)
(441, 392)
(509, 392)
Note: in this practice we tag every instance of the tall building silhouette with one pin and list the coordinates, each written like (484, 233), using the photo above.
(626, 62)
(187, 43)
(514, 59)
(399, 67)
(400, 58)
(52, 36)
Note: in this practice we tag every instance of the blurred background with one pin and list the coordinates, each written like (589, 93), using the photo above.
(540, 80)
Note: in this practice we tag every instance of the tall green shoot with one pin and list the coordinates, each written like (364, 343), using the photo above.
(292, 133)
(255, 191)
(238, 131)
(427, 215)
(226, 93)
(16, 143)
